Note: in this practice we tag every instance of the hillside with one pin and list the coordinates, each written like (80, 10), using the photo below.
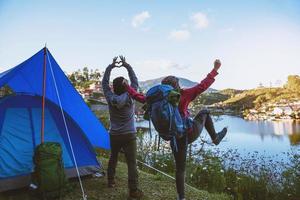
(154, 187)
(184, 83)
(241, 100)
(210, 98)
(257, 97)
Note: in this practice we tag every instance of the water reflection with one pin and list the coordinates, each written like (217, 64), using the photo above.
(264, 129)
(270, 138)
(294, 139)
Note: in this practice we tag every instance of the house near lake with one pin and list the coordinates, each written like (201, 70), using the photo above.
(95, 87)
(275, 111)
(285, 110)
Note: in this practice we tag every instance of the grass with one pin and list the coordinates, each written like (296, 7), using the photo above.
(154, 187)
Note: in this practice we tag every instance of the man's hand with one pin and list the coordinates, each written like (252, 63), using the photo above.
(217, 64)
(123, 60)
(114, 61)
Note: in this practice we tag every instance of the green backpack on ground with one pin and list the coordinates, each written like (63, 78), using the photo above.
(49, 175)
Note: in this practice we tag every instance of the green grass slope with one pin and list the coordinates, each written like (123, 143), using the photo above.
(154, 187)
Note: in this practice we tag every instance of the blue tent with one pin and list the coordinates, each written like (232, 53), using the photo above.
(20, 121)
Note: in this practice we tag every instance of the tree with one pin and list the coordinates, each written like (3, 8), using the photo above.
(293, 83)
(72, 78)
(259, 100)
(97, 74)
(270, 95)
(86, 73)
(84, 78)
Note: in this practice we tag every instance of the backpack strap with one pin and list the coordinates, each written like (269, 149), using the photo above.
(171, 114)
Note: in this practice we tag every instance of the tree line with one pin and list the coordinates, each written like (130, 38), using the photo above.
(82, 78)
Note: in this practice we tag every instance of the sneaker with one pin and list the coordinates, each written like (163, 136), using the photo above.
(111, 184)
(33, 186)
(220, 136)
(137, 194)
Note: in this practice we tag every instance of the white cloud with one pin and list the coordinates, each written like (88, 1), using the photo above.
(140, 18)
(200, 20)
(179, 35)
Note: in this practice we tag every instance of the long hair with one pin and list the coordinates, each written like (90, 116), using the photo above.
(172, 81)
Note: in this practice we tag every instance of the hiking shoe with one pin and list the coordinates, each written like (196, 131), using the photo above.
(220, 136)
(111, 184)
(137, 194)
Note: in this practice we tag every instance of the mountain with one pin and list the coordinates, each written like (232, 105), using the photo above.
(184, 83)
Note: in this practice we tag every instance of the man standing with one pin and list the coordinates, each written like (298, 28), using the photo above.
(122, 128)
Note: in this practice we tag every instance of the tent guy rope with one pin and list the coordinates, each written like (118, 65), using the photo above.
(165, 174)
(84, 196)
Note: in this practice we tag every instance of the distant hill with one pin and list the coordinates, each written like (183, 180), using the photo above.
(216, 97)
(230, 92)
(184, 83)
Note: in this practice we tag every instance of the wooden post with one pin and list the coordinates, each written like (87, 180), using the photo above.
(43, 97)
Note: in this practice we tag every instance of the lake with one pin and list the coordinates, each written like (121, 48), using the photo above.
(268, 138)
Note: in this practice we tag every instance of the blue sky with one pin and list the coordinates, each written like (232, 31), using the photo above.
(257, 41)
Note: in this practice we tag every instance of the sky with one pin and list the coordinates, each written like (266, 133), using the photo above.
(257, 41)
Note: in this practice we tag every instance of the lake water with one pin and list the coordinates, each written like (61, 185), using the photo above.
(268, 138)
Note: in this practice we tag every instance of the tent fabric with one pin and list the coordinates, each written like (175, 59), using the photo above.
(20, 124)
(24, 180)
(28, 78)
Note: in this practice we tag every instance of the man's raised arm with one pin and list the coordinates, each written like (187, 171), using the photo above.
(131, 73)
(105, 81)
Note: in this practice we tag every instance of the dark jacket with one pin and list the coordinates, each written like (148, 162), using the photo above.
(121, 107)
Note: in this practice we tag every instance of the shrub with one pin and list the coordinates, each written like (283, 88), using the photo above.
(207, 173)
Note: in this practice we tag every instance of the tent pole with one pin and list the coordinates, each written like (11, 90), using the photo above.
(43, 98)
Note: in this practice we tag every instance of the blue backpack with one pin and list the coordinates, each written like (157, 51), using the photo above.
(162, 110)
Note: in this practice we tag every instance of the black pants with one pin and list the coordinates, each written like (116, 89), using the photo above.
(203, 119)
(127, 142)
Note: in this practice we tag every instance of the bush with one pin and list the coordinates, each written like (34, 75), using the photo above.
(291, 180)
(207, 173)
(253, 177)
